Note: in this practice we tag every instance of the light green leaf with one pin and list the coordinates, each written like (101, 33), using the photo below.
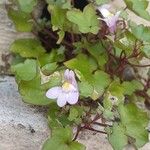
(118, 138)
(100, 81)
(98, 52)
(85, 88)
(61, 35)
(101, 2)
(27, 48)
(135, 121)
(87, 20)
(83, 65)
(27, 5)
(117, 91)
(49, 68)
(138, 7)
(130, 87)
(25, 71)
(22, 20)
(62, 140)
(32, 92)
(56, 55)
(58, 18)
(141, 32)
(65, 4)
(73, 114)
(146, 50)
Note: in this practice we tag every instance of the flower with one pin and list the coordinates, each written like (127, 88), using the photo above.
(67, 93)
(109, 18)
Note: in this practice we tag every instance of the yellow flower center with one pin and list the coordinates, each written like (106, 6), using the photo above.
(66, 86)
(110, 15)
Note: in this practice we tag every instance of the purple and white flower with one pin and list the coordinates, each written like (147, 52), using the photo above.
(109, 18)
(67, 93)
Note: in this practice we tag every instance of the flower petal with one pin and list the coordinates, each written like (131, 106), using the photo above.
(66, 74)
(54, 92)
(62, 99)
(105, 13)
(73, 97)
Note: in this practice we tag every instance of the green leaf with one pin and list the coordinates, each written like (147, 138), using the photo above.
(49, 68)
(25, 71)
(85, 88)
(27, 48)
(135, 121)
(118, 132)
(87, 20)
(27, 5)
(138, 7)
(22, 20)
(141, 32)
(146, 50)
(65, 4)
(62, 140)
(98, 52)
(130, 87)
(56, 55)
(101, 2)
(58, 18)
(75, 113)
(83, 65)
(32, 92)
(117, 91)
(57, 118)
(101, 80)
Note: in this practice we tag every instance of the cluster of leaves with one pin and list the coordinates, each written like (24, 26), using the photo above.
(105, 65)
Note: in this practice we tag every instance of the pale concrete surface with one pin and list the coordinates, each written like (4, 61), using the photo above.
(18, 120)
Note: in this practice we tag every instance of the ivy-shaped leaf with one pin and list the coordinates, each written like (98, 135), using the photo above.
(98, 52)
(83, 65)
(141, 32)
(27, 5)
(101, 80)
(62, 140)
(58, 18)
(87, 20)
(22, 20)
(33, 93)
(27, 48)
(146, 50)
(118, 138)
(130, 87)
(135, 122)
(138, 7)
(25, 71)
(49, 68)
